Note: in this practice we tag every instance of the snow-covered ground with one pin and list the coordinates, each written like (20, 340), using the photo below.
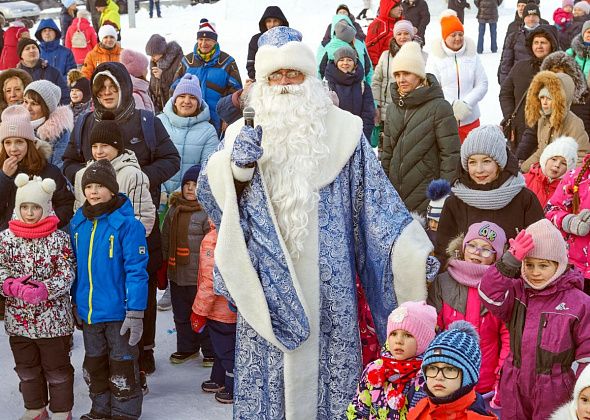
(175, 392)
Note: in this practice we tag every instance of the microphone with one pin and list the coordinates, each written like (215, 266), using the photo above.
(249, 116)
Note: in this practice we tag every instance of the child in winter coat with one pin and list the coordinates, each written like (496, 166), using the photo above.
(438, 191)
(214, 311)
(540, 298)
(392, 384)
(137, 65)
(451, 366)
(80, 94)
(107, 49)
(36, 272)
(548, 102)
(185, 226)
(557, 158)
(579, 406)
(455, 297)
(345, 77)
(110, 293)
(81, 37)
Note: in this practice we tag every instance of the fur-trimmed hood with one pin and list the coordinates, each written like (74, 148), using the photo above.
(561, 89)
(60, 120)
(9, 73)
(580, 50)
(559, 61)
(173, 51)
(439, 50)
(455, 247)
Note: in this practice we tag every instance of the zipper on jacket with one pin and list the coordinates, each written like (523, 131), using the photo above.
(76, 240)
(111, 242)
(94, 223)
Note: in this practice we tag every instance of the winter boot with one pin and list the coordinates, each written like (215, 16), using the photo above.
(38, 414)
(179, 357)
(211, 386)
(165, 302)
(224, 397)
(62, 416)
(208, 361)
(94, 416)
(143, 382)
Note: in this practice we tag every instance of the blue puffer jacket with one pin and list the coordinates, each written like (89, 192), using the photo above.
(112, 257)
(56, 54)
(219, 77)
(194, 138)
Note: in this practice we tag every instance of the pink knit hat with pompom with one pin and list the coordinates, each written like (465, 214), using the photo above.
(417, 318)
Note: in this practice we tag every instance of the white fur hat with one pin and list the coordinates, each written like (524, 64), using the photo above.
(563, 146)
(409, 58)
(281, 48)
(582, 383)
(37, 190)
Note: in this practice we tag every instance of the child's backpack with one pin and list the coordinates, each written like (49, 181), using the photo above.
(79, 38)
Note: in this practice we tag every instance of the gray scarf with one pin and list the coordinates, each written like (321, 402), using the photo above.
(493, 199)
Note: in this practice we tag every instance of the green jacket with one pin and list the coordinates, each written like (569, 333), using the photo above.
(111, 15)
(428, 148)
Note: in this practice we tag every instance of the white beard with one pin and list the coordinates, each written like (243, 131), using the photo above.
(293, 122)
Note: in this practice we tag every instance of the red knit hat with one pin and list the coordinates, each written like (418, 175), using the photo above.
(449, 23)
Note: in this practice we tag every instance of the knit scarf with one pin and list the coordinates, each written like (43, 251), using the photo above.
(41, 229)
(179, 248)
(398, 373)
(97, 210)
(467, 273)
(122, 112)
(207, 56)
(495, 199)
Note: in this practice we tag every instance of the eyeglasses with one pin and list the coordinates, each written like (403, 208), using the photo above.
(289, 74)
(484, 252)
(448, 372)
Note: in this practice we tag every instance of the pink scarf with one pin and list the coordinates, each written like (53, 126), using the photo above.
(467, 273)
(41, 229)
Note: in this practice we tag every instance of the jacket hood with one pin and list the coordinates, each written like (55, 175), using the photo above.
(559, 61)
(125, 160)
(12, 34)
(455, 246)
(561, 93)
(173, 52)
(572, 278)
(335, 20)
(44, 24)
(9, 73)
(440, 50)
(186, 122)
(581, 50)
(272, 12)
(547, 32)
(139, 85)
(419, 95)
(123, 79)
(84, 23)
(385, 6)
(60, 120)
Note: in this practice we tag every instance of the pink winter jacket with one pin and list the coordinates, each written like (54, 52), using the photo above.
(90, 34)
(141, 95)
(560, 205)
(454, 301)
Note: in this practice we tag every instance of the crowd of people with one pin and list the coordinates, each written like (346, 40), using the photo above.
(366, 249)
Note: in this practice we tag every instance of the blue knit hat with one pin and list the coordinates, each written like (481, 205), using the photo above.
(192, 174)
(207, 30)
(188, 85)
(458, 346)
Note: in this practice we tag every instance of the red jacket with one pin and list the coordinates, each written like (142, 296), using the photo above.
(537, 182)
(9, 58)
(456, 410)
(380, 31)
(89, 33)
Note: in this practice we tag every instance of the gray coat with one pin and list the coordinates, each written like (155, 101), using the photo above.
(185, 275)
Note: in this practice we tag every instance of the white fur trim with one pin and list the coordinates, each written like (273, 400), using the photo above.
(408, 258)
(447, 12)
(293, 55)
(242, 174)
(565, 412)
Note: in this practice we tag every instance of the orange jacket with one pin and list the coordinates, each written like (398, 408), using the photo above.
(99, 55)
(380, 31)
(207, 303)
(456, 410)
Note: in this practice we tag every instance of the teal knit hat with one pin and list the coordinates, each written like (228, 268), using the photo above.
(458, 346)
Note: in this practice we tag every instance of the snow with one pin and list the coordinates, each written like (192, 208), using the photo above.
(175, 389)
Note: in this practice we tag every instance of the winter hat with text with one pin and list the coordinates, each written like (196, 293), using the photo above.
(563, 146)
(207, 30)
(531, 9)
(49, 92)
(101, 172)
(107, 131)
(417, 318)
(16, 122)
(485, 140)
(489, 232)
(135, 62)
(409, 58)
(38, 191)
(450, 23)
(281, 48)
(22, 43)
(343, 31)
(156, 45)
(188, 85)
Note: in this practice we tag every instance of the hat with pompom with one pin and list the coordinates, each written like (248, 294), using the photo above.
(207, 30)
(458, 346)
(135, 62)
(563, 146)
(38, 191)
(188, 85)
(438, 191)
(417, 318)
(450, 23)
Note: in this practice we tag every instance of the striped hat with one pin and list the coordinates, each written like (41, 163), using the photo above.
(207, 30)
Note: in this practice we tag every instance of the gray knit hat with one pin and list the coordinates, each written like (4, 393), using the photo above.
(155, 45)
(50, 93)
(485, 140)
(343, 31)
(344, 51)
(585, 27)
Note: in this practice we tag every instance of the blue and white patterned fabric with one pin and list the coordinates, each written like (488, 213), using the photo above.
(279, 36)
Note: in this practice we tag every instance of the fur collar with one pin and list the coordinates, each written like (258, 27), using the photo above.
(60, 120)
(566, 63)
(173, 53)
(565, 412)
(579, 48)
(440, 50)
(532, 110)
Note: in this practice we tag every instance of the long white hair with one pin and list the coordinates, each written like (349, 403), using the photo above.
(293, 122)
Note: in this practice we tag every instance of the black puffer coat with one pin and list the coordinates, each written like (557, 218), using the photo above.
(428, 148)
(417, 12)
(270, 12)
(487, 10)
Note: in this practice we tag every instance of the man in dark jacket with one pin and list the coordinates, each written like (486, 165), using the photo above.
(487, 13)
(112, 92)
(459, 7)
(58, 56)
(272, 16)
(29, 54)
(165, 59)
(416, 11)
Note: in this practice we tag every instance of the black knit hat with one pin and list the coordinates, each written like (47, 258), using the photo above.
(107, 131)
(22, 43)
(531, 9)
(100, 3)
(83, 84)
(101, 172)
(155, 45)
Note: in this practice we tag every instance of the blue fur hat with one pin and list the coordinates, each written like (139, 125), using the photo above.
(192, 174)
(458, 346)
(279, 36)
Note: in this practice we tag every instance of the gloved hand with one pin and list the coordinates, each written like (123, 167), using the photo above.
(78, 323)
(247, 147)
(198, 322)
(461, 109)
(162, 275)
(521, 245)
(577, 224)
(12, 285)
(134, 324)
(33, 292)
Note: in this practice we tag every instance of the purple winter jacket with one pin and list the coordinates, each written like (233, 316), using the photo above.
(549, 330)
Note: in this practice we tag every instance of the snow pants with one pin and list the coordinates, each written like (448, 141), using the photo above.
(111, 371)
(43, 364)
(223, 339)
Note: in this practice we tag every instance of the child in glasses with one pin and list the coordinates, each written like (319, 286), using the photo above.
(451, 366)
(454, 295)
(392, 384)
(534, 290)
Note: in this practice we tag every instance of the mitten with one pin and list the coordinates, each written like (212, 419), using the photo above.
(33, 292)
(12, 285)
(461, 110)
(162, 275)
(247, 147)
(521, 245)
(577, 224)
(134, 324)
(198, 322)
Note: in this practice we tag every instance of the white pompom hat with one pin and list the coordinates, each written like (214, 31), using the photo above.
(36, 190)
